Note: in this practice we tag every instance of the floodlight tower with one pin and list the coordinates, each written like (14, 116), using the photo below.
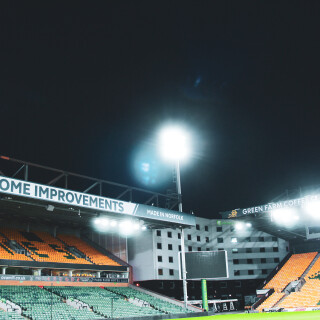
(174, 144)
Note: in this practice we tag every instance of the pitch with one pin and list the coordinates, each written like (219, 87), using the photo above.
(306, 315)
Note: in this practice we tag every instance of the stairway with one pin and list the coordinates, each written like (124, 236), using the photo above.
(310, 266)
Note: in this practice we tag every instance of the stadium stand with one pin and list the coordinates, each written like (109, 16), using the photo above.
(104, 302)
(271, 301)
(40, 304)
(158, 304)
(10, 315)
(94, 255)
(291, 271)
(42, 247)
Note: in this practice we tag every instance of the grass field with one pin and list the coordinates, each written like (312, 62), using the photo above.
(305, 315)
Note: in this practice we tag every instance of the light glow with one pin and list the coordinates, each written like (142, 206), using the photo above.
(285, 216)
(313, 209)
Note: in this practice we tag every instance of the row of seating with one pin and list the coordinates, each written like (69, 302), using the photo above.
(10, 316)
(9, 254)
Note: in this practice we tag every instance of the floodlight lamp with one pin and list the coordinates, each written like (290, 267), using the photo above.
(285, 216)
(174, 143)
(239, 226)
(50, 207)
(143, 228)
(126, 227)
(313, 209)
(249, 224)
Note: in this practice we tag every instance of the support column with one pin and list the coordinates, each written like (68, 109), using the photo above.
(98, 274)
(70, 273)
(55, 231)
(4, 270)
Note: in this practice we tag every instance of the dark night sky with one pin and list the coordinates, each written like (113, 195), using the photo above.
(83, 86)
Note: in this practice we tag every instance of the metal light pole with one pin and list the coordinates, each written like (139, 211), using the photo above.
(183, 256)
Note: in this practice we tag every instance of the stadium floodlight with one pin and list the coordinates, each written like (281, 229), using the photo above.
(248, 224)
(174, 143)
(101, 224)
(175, 146)
(239, 226)
(285, 216)
(313, 209)
(143, 228)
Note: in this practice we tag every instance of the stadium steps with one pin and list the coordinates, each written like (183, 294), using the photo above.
(310, 266)
(284, 297)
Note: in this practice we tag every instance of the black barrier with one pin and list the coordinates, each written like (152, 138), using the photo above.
(55, 265)
(60, 279)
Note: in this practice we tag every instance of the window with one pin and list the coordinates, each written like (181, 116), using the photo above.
(198, 238)
(248, 250)
(264, 271)
(189, 248)
(160, 272)
(247, 239)
(169, 234)
(169, 246)
(274, 239)
(219, 229)
(275, 249)
(261, 239)
(236, 272)
(179, 247)
(263, 260)
(220, 240)
(159, 233)
(277, 260)
(206, 228)
(249, 261)
(171, 272)
(235, 261)
(231, 229)
(262, 249)
(189, 236)
(199, 248)
(207, 239)
(250, 272)
(179, 235)
(170, 259)
(197, 227)
(159, 258)
(234, 240)
(235, 250)
(207, 249)
(159, 245)
(220, 249)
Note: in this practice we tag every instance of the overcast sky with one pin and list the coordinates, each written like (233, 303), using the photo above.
(85, 87)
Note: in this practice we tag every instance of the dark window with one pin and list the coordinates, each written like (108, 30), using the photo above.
(263, 260)
(236, 272)
(179, 235)
(197, 227)
(235, 250)
(169, 246)
(249, 261)
(171, 259)
(171, 272)
(219, 229)
(199, 248)
(248, 250)
(159, 258)
(277, 260)
(207, 239)
(250, 272)
(274, 239)
(231, 229)
(261, 239)
(189, 248)
(220, 249)
(169, 234)
(179, 247)
(262, 249)
(159, 233)
(159, 245)
(220, 240)
(198, 238)
(247, 239)
(206, 228)
(207, 249)
(275, 249)
(264, 271)
(235, 261)
(189, 236)
(160, 272)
